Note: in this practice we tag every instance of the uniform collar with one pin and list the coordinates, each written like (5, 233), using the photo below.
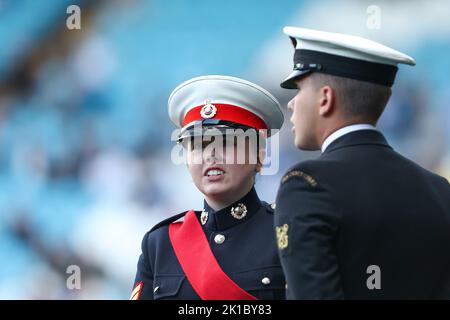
(359, 137)
(343, 131)
(223, 218)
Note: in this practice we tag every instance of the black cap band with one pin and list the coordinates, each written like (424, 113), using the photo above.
(379, 73)
(220, 126)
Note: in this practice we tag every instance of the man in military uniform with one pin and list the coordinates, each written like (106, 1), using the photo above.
(227, 251)
(361, 221)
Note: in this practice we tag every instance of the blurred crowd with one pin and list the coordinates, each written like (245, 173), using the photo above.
(85, 143)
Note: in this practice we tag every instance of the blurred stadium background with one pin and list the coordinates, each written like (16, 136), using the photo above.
(85, 143)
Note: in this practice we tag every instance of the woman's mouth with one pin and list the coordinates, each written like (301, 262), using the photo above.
(214, 174)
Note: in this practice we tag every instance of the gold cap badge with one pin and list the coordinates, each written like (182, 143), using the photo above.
(208, 110)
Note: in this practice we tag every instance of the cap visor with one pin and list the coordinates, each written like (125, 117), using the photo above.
(289, 82)
(213, 131)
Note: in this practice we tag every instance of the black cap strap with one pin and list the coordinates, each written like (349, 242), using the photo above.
(357, 69)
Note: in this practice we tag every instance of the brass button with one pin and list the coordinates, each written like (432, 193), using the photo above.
(219, 239)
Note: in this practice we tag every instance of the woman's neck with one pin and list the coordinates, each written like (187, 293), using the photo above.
(218, 202)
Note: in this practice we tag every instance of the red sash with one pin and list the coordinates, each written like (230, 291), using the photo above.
(199, 264)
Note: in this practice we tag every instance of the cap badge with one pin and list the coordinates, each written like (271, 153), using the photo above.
(239, 211)
(208, 110)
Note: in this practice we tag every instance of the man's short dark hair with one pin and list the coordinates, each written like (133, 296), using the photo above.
(359, 99)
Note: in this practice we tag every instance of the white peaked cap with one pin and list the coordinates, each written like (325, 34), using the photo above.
(217, 100)
(342, 55)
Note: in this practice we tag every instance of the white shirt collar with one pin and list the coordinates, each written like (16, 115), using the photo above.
(343, 131)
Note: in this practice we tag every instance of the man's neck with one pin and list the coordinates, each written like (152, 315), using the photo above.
(344, 129)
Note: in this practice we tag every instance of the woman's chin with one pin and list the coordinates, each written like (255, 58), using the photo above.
(215, 190)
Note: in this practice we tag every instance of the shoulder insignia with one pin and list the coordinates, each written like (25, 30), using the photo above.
(298, 173)
(282, 236)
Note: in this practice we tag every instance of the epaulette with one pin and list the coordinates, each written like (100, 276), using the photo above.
(168, 221)
(270, 208)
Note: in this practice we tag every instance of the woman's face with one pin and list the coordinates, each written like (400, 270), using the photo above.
(222, 168)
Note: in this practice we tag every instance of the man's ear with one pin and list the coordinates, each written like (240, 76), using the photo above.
(327, 101)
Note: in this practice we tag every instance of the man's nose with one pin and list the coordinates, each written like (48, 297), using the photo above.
(290, 104)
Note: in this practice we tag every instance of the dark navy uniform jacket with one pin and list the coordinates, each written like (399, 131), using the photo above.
(362, 206)
(248, 254)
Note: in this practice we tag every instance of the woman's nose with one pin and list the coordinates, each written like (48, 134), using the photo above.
(210, 159)
(209, 155)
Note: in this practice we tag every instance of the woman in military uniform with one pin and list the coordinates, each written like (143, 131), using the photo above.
(227, 250)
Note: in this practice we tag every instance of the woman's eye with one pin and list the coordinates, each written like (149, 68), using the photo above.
(200, 145)
(185, 143)
(205, 144)
(190, 144)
